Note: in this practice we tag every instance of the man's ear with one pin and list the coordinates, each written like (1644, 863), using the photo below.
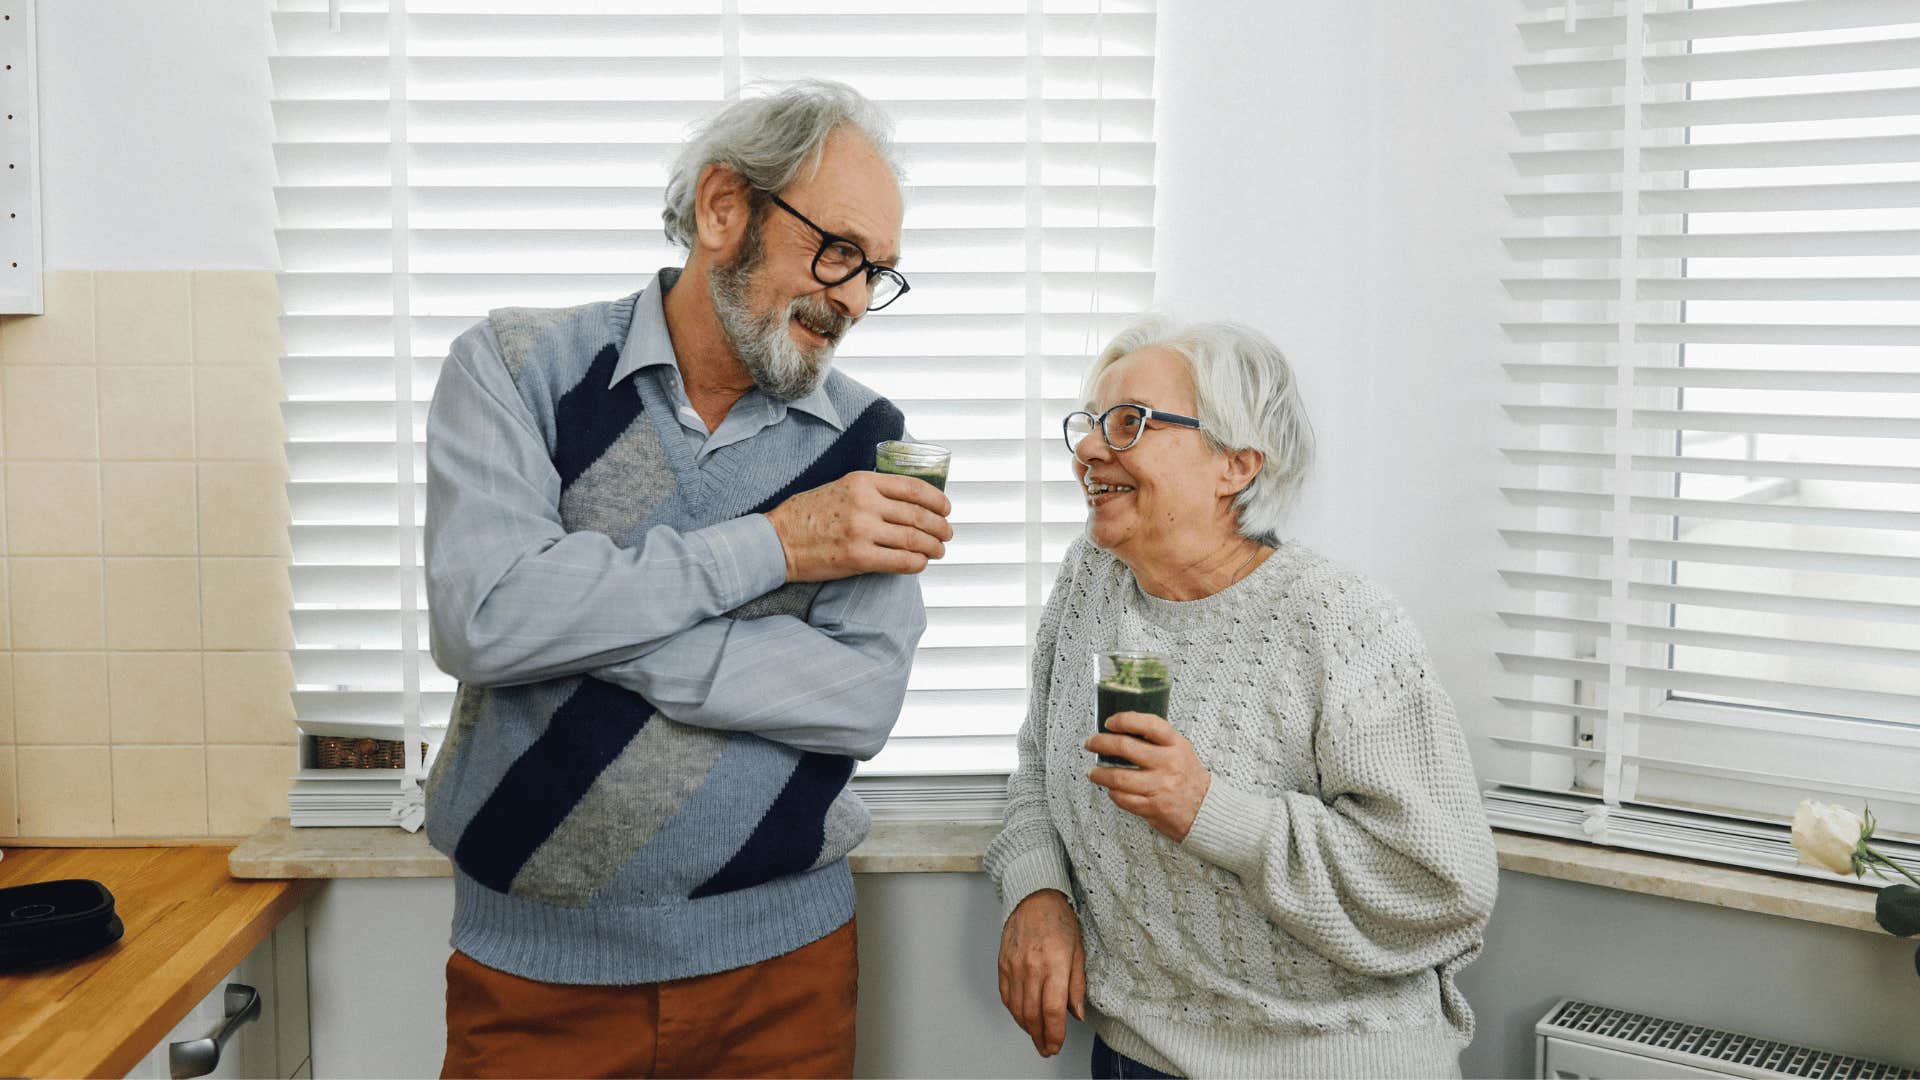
(1240, 469)
(721, 208)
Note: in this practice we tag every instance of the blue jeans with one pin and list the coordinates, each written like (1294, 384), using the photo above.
(1111, 1064)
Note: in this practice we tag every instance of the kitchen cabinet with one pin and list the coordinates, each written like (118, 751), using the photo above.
(275, 1041)
(191, 928)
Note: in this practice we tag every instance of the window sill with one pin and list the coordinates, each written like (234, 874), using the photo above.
(281, 851)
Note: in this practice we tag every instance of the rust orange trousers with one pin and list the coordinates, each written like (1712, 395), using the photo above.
(790, 1016)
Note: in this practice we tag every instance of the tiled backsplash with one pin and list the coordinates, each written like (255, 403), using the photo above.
(144, 616)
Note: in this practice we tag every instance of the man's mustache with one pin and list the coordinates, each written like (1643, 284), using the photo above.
(820, 317)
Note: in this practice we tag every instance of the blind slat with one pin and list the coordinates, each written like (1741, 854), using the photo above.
(1799, 470)
(1825, 381)
(1725, 599)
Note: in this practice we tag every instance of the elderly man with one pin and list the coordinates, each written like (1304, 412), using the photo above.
(679, 605)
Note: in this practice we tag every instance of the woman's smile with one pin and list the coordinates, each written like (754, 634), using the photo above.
(1100, 493)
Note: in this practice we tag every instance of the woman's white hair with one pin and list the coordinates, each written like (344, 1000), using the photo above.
(768, 139)
(1247, 399)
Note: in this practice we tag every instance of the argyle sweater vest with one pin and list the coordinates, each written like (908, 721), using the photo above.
(594, 840)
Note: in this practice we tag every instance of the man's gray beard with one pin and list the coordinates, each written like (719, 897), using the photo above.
(779, 366)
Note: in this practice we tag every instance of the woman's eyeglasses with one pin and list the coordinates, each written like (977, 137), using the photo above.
(1120, 425)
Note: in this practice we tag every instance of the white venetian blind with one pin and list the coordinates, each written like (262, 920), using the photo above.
(438, 158)
(1714, 460)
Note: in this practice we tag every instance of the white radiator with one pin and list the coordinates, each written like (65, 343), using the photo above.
(1577, 1040)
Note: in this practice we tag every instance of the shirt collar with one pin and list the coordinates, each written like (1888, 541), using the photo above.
(649, 345)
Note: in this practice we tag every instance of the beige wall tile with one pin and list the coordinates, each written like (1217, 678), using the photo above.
(155, 697)
(65, 791)
(243, 508)
(236, 317)
(245, 604)
(159, 791)
(148, 508)
(6, 699)
(57, 603)
(51, 414)
(146, 414)
(6, 615)
(53, 508)
(239, 414)
(246, 786)
(64, 335)
(249, 697)
(9, 803)
(153, 604)
(60, 697)
(143, 317)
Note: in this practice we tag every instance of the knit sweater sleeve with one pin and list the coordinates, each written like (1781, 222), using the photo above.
(1390, 869)
(1028, 855)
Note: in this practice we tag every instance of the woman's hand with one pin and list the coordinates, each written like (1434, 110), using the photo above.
(1043, 972)
(1170, 784)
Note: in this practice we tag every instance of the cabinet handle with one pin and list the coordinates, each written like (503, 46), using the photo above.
(198, 1057)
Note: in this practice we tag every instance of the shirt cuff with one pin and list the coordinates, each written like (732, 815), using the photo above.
(1230, 831)
(1045, 867)
(749, 556)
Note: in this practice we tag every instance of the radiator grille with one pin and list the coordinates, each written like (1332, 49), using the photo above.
(1749, 1051)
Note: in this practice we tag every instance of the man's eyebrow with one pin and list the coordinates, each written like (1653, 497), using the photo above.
(889, 261)
(866, 245)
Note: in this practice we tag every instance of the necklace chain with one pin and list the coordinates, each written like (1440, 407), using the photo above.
(1257, 548)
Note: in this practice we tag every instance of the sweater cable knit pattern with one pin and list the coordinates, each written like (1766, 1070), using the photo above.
(1340, 870)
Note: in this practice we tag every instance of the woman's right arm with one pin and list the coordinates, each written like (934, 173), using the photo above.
(1042, 967)
(1027, 855)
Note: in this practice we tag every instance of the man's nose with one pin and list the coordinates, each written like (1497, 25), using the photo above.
(851, 296)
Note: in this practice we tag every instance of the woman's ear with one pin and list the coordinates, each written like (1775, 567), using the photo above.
(1240, 469)
(720, 211)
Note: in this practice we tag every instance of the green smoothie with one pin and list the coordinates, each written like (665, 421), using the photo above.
(923, 460)
(1131, 682)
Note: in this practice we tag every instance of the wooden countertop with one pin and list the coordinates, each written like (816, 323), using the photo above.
(187, 924)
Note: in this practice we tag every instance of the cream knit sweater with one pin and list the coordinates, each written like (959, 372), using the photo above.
(1340, 871)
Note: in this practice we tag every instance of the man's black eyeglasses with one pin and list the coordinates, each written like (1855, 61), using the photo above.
(840, 260)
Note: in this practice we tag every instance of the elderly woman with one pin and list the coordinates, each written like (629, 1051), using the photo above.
(1289, 880)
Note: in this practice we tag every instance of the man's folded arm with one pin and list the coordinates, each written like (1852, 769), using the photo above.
(515, 597)
(833, 683)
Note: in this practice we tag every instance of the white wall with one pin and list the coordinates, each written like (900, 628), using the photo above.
(155, 135)
(1264, 215)
(929, 1006)
(1332, 176)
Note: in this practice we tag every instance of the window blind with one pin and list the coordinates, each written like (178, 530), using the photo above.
(438, 158)
(1713, 437)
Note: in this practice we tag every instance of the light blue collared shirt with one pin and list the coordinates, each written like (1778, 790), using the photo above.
(650, 349)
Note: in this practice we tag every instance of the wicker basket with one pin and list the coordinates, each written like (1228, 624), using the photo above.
(335, 752)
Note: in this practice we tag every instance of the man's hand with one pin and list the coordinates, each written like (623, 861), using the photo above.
(1170, 784)
(1043, 971)
(862, 523)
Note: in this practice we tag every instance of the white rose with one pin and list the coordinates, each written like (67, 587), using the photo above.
(1826, 835)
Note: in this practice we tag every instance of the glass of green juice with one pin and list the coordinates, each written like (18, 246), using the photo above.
(924, 460)
(1131, 682)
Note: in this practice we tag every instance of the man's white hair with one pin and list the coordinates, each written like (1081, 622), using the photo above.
(769, 139)
(1247, 399)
